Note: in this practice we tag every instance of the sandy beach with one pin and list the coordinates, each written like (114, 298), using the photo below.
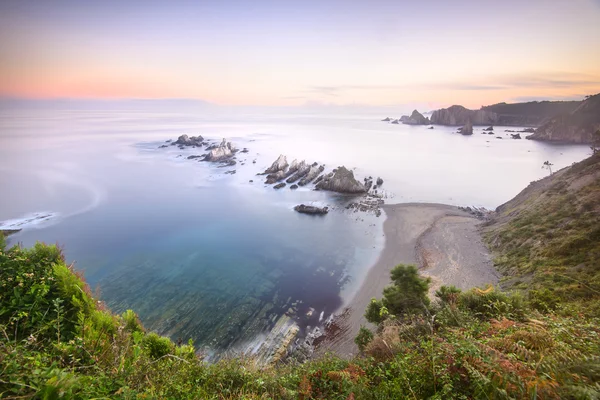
(442, 240)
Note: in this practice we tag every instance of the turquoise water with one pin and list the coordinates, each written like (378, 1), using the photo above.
(204, 255)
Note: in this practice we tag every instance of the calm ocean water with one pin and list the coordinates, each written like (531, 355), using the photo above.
(201, 254)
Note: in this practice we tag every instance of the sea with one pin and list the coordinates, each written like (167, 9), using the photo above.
(202, 253)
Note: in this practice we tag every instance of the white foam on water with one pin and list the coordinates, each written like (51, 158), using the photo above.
(36, 219)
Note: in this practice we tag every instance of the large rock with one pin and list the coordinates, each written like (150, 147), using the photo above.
(304, 209)
(341, 181)
(459, 115)
(301, 169)
(467, 129)
(220, 153)
(578, 126)
(416, 118)
(185, 140)
(276, 177)
(278, 165)
(312, 173)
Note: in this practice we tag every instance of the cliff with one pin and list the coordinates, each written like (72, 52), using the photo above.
(533, 113)
(577, 126)
(459, 115)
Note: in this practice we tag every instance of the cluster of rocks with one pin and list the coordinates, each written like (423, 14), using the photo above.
(416, 118)
(526, 130)
(304, 209)
(478, 212)
(223, 152)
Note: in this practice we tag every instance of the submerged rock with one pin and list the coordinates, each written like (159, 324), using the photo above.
(489, 129)
(515, 135)
(221, 152)
(276, 177)
(379, 182)
(304, 209)
(279, 185)
(294, 187)
(278, 165)
(387, 119)
(342, 181)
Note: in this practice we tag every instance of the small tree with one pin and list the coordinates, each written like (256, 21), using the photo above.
(364, 337)
(548, 165)
(408, 294)
(375, 312)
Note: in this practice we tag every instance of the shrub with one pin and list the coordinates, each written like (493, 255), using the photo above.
(157, 346)
(375, 312)
(408, 294)
(364, 337)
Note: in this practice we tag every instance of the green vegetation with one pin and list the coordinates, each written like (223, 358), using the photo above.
(539, 341)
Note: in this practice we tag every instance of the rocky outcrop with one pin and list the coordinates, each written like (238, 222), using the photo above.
(221, 152)
(342, 181)
(278, 165)
(301, 170)
(387, 119)
(312, 173)
(304, 209)
(459, 115)
(276, 177)
(279, 185)
(395, 121)
(578, 126)
(489, 129)
(416, 118)
(185, 140)
(515, 135)
(467, 129)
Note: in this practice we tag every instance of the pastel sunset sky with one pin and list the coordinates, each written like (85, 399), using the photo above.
(261, 52)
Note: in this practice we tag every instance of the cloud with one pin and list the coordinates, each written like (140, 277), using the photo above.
(502, 82)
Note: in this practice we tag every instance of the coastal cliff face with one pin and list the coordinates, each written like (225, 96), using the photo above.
(578, 126)
(533, 113)
(459, 115)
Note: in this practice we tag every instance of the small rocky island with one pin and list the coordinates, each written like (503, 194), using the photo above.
(297, 174)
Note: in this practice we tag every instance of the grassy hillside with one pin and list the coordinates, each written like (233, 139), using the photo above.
(540, 341)
(547, 239)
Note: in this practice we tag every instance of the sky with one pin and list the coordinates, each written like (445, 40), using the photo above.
(280, 53)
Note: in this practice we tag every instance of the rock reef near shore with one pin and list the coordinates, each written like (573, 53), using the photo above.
(341, 181)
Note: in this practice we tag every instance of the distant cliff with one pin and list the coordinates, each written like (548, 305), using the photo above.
(459, 115)
(533, 113)
(577, 126)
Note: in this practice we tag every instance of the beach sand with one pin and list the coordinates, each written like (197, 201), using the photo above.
(442, 240)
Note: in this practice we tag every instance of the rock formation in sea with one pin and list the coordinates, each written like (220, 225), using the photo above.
(278, 165)
(395, 121)
(304, 209)
(579, 126)
(185, 140)
(387, 119)
(515, 135)
(312, 173)
(301, 169)
(221, 152)
(489, 129)
(342, 180)
(467, 129)
(459, 115)
(416, 118)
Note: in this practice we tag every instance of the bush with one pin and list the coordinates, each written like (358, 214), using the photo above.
(364, 337)
(408, 294)
(157, 346)
(375, 312)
